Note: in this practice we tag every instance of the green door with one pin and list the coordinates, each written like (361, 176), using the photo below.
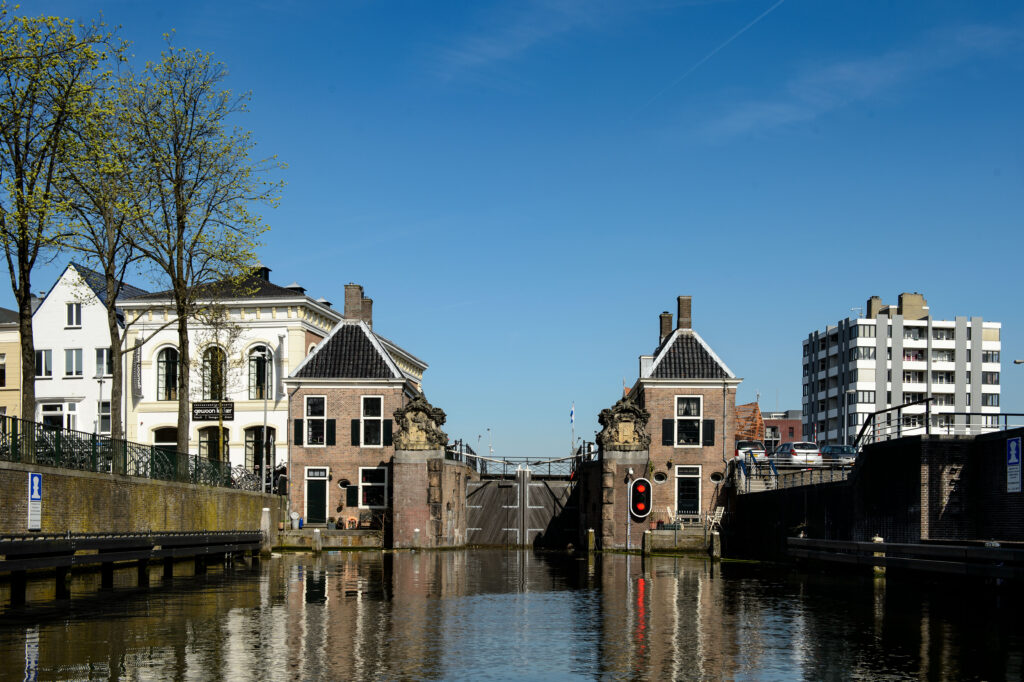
(316, 501)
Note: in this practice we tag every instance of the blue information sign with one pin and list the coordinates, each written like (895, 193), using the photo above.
(1013, 456)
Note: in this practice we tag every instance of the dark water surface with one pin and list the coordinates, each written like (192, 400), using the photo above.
(491, 614)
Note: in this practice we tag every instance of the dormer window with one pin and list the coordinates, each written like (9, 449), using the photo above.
(74, 314)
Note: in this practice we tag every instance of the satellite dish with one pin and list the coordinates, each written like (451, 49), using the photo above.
(294, 515)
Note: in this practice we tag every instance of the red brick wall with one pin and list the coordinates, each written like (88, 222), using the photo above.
(660, 402)
(342, 405)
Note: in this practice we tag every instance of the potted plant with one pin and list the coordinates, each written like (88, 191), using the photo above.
(331, 525)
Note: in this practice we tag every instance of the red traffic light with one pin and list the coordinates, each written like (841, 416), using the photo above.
(640, 498)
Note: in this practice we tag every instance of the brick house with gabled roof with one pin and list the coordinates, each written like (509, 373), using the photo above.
(341, 402)
(691, 396)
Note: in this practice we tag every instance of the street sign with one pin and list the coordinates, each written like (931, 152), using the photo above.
(35, 501)
(1013, 455)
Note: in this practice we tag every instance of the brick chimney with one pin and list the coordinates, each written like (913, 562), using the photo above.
(353, 301)
(684, 318)
(367, 312)
(666, 325)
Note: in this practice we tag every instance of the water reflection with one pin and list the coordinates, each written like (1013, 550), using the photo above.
(501, 615)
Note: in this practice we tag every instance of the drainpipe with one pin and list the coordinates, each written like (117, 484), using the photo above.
(725, 395)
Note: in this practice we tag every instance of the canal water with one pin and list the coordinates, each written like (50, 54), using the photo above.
(492, 614)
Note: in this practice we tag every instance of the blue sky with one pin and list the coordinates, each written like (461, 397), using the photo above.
(522, 188)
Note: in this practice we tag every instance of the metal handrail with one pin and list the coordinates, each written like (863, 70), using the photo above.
(30, 442)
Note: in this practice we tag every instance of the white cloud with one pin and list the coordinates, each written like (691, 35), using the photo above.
(818, 91)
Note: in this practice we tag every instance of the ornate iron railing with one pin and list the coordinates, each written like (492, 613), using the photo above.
(32, 442)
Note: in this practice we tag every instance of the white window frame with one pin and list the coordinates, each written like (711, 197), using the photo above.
(308, 420)
(676, 418)
(100, 414)
(363, 419)
(373, 485)
(46, 355)
(700, 485)
(73, 356)
(305, 489)
(104, 362)
(74, 316)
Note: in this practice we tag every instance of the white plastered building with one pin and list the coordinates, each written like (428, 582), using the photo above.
(72, 342)
(276, 328)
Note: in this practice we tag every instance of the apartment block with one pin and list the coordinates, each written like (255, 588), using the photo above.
(896, 355)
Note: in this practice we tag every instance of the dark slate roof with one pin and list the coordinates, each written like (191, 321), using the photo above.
(687, 358)
(249, 286)
(98, 283)
(8, 316)
(348, 353)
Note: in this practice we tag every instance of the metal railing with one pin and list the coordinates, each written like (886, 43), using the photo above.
(34, 443)
(751, 475)
(898, 422)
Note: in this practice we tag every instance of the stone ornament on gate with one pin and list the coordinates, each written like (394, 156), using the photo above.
(418, 426)
(625, 426)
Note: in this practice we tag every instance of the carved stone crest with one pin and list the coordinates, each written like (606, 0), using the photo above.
(418, 426)
(625, 426)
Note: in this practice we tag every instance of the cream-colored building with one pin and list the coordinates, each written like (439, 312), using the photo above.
(275, 328)
(10, 364)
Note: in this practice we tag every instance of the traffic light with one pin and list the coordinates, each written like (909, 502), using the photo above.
(640, 498)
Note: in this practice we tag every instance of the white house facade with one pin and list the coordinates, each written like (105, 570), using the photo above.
(73, 367)
(235, 373)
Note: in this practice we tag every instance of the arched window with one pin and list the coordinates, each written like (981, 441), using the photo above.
(208, 444)
(254, 445)
(214, 374)
(167, 374)
(261, 373)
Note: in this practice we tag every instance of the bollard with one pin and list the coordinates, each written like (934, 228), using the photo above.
(645, 544)
(878, 570)
(591, 541)
(318, 541)
(716, 544)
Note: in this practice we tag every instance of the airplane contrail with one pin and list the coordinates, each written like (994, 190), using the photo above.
(711, 54)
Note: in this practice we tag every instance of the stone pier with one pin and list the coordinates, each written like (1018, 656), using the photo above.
(624, 444)
(429, 491)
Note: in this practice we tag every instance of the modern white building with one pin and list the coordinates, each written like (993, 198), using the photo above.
(896, 355)
(73, 362)
(237, 373)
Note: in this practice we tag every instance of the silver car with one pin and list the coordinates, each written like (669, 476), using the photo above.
(801, 452)
(838, 454)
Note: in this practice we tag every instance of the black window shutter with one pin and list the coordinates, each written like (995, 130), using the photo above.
(709, 432)
(352, 496)
(355, 432)
(298, 432)
(668, 435)
(387, 431)
(330, 432)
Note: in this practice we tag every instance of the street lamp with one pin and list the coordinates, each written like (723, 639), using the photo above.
(1018, 362)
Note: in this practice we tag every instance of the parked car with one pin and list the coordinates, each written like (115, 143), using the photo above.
(754, 448)
(838, 454)
(802, 452)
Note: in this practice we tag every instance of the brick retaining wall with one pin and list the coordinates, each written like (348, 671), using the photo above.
(86, 502)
